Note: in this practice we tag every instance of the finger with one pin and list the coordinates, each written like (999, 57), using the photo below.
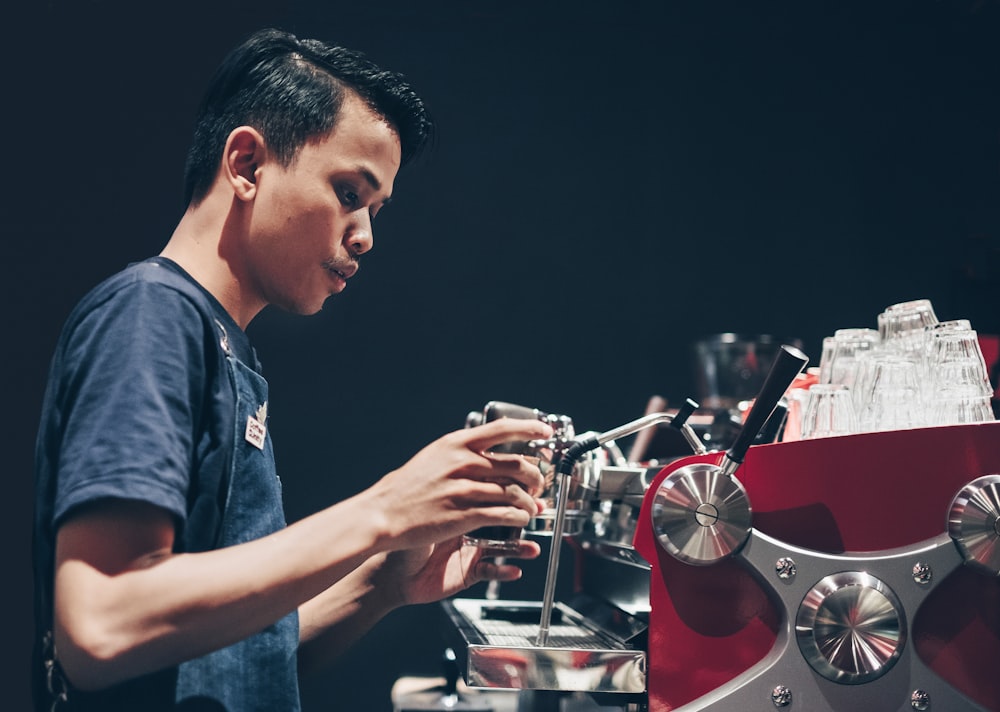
(489, 570)
(484, 567)
(486, 570)
(522, 469)
(503, 496)
(488, 435)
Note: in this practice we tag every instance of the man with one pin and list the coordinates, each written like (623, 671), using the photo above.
(166, 578)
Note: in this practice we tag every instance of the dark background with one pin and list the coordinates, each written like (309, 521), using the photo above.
(611, 182)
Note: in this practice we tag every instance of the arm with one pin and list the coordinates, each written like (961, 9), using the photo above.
(125, 605)
(333, 621)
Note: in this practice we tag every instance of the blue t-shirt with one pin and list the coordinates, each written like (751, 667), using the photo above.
(139, 406)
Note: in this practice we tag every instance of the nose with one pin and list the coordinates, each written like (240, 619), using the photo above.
(359, 236)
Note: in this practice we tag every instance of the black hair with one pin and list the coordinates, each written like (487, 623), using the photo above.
(291, 90)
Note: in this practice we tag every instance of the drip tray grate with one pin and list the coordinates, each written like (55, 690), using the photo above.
(498, 638)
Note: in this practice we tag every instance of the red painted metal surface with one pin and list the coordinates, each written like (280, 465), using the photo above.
(858, 493)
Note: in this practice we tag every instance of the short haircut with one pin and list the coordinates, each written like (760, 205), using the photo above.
(291, 90)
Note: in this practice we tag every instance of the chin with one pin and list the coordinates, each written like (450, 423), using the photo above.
(303, 308)
(312, 311)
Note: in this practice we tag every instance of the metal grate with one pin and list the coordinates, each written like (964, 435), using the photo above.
(521, 635)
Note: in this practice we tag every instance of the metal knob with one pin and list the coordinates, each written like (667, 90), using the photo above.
(701, 515)
(974, 522)
(851, 628)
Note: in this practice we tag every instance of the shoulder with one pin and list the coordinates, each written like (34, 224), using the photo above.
(140, 340)
(148, 288)
(148, 306)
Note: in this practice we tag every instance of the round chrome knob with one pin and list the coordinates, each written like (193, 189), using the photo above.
(974, 522)
(851, 628)
(700, 514)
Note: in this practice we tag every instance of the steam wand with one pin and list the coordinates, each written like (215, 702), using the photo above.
(565, 470)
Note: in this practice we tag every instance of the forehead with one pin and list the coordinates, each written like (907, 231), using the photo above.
(361, 136)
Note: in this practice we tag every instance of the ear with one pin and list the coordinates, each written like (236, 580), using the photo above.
(244, 153)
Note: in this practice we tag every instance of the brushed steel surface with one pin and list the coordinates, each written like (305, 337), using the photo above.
(700, 515)
(974, 522)
(851, 627)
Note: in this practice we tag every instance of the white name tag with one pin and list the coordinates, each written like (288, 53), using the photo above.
(256, 430)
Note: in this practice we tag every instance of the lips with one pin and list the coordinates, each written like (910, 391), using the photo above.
(341, 269)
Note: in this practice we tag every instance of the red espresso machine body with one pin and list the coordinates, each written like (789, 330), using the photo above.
(838, 524)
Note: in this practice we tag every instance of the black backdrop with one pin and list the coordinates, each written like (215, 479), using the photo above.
(611, 182)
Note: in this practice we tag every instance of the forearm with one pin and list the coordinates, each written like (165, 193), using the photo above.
(114, 623)
(338, 617)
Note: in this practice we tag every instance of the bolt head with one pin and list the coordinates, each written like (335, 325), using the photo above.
(785, 568)
(781, 696)
(922, 573)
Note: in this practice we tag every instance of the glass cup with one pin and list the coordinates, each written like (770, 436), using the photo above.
(942, 327)
(953, 359)
(901, 326)
(826, 359)
(829, 411)
(539, 452)
(949, 325)
(848, 346)
(500, 538)
(958, 406)
(892, 398)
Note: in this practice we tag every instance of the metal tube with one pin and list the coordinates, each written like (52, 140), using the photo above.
(647, 421)
(563, 483)
(548, 596)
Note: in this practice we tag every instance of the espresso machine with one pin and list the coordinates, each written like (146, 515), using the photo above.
(844, 573)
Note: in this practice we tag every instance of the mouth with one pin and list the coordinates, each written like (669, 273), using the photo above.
(337, 273)
(341, 271)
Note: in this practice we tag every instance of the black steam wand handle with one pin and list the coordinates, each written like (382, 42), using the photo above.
(789, 363)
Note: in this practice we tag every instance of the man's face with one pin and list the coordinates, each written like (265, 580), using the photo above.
(312, 220)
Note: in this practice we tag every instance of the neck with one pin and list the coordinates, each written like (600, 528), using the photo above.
(203, 244)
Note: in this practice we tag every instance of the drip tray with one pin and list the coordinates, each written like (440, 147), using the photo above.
(583, 654)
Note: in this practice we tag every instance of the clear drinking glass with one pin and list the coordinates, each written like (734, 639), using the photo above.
(915, 371)
(848, 345)
(892, 400)
(959, 405)
(954, 358)
(829, 411)
(538, 452)
(901, 326)
(957, 386)
(949, 325)
(826, 359)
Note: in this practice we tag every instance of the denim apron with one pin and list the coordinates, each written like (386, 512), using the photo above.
(258, 673)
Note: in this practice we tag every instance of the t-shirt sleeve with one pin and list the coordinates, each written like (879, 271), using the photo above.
(130, 396)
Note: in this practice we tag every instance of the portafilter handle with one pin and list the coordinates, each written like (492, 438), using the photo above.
(787, 365)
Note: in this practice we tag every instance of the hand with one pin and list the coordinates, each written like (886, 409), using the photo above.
(431, 573)
(455, 485)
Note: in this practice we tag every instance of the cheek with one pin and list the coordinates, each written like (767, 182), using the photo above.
(300, 221)
(289, 224)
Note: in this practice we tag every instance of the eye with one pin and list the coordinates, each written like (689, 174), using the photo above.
(349, 198)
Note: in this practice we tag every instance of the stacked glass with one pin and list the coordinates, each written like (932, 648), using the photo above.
(913, 371)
